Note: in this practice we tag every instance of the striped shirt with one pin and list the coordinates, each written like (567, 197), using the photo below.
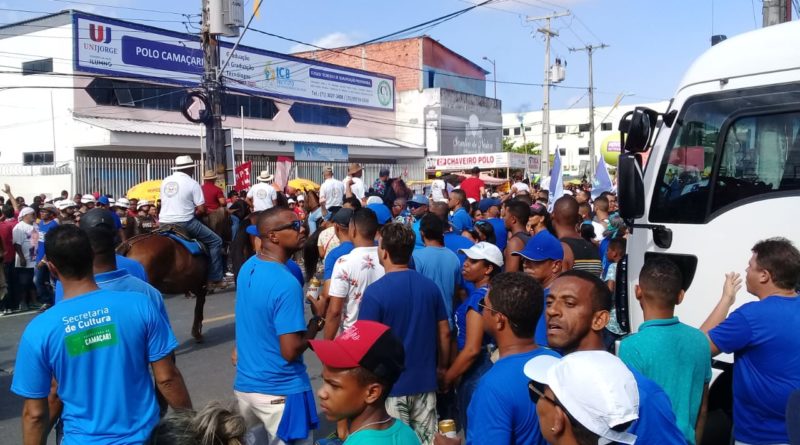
(586, 255)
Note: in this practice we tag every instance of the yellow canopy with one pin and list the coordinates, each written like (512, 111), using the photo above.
(302, 184)
(149, 190)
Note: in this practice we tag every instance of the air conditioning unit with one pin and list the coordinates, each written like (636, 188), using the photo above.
(572, 129)
(581, 134)
(559, 135)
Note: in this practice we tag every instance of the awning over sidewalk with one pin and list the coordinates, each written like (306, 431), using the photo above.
(125, 134)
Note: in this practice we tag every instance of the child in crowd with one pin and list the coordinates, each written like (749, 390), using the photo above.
(360, 366)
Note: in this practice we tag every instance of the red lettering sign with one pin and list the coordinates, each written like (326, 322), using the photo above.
(243, 176)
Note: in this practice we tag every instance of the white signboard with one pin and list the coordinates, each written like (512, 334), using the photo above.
(113, 47)
(483, 161)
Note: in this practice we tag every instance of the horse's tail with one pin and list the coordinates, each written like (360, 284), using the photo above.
(311, 253)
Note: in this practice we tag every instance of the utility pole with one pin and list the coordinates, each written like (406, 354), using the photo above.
(776, 11)
(215, 158)
(548, 33)
(592, 155)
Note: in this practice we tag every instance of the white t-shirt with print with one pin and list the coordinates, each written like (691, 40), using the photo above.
(332, 192)
(263, 195)
(24, 234)
(352, 273)
(180, 195)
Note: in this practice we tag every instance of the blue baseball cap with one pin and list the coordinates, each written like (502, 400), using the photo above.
(418, 200)
(103, 200)
(543, 246)
(382, 212)
(252, 230)
(487, 203)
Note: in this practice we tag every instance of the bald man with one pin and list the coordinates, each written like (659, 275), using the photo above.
(579, 254)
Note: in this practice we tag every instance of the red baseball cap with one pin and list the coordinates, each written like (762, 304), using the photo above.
(367, 344)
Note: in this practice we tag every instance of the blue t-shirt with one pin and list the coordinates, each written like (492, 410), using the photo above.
(269, 303)
(656, 422)
(412, 306)
(297, 273)
(418, 243)
(133, 267)
(461, 221)
(117, 221)
(540, 337)
(454, 241)
(444, 268)
(330, 259)
(98, 346)
(460, 315)
(500, 232)
(43, 229)
(501, 411)
(121, 280)
(763, 337)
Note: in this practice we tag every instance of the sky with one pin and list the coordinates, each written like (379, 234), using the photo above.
(650, 43)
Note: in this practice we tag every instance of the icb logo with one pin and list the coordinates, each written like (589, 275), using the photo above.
(277, 72)
(384, 93)
(99, 33)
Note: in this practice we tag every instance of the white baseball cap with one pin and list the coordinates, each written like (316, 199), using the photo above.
(86, 199)
(484, 251)
(374, 200)
(595, 387)
(301, 198)
(65, 204)
(292, 201)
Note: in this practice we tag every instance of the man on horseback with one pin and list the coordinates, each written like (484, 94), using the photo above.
(181, 201)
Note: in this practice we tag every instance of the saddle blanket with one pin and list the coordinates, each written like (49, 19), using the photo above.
(194, 247)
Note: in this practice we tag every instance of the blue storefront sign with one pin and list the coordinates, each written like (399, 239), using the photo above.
(320, 152)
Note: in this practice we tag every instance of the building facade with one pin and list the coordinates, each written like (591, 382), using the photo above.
(93, 104)
(569, 133)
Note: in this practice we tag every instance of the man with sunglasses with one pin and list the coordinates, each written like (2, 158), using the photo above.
(500, 413)
(271, 384)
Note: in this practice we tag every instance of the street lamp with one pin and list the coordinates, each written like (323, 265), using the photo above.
(494, 73)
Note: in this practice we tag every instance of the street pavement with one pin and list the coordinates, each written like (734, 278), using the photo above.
(206, 367)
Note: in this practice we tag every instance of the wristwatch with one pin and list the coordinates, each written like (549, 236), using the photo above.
(317, 321)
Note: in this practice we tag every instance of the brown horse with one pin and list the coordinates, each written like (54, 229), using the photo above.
(171, 269)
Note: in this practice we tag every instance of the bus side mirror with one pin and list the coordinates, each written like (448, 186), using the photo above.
(638, 126)
(630, 186)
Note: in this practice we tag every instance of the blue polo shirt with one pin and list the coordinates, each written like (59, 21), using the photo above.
(763, 337)
(501, 411)
(269, 303)
(98, 346)
(677, 357)
(540, 337)
(412, 306)
(461, 221)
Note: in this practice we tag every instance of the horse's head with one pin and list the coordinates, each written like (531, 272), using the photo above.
(312, 201)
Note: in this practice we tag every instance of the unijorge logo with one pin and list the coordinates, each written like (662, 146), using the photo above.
(99, 33)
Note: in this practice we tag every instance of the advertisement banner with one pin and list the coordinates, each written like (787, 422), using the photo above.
(114, 47)
(484, 161)
(242, 173)
(320, 152)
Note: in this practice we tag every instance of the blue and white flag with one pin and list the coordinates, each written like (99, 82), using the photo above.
(602, 180)
(556, 181)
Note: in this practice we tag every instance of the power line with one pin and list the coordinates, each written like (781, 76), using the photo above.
(27, 11)
(118, 7)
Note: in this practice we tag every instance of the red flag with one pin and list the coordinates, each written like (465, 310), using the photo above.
(243, 176)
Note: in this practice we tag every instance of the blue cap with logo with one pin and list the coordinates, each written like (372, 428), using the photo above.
(543, 246)
(382, 212)
(418, 200)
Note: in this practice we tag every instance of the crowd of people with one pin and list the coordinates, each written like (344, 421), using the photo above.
(493, 310)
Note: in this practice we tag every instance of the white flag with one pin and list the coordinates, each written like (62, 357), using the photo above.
(602, 180)
(556, 181)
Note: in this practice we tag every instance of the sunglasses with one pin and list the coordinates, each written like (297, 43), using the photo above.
(295, 225)
(536, 391)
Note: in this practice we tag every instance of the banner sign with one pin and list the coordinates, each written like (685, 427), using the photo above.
(482, 161)
(320, 152)
(242, 173)
(113, 47)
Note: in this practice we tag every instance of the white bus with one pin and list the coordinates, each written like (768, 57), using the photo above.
(723, 172)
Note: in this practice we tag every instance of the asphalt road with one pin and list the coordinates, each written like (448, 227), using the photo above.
(206, 367)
